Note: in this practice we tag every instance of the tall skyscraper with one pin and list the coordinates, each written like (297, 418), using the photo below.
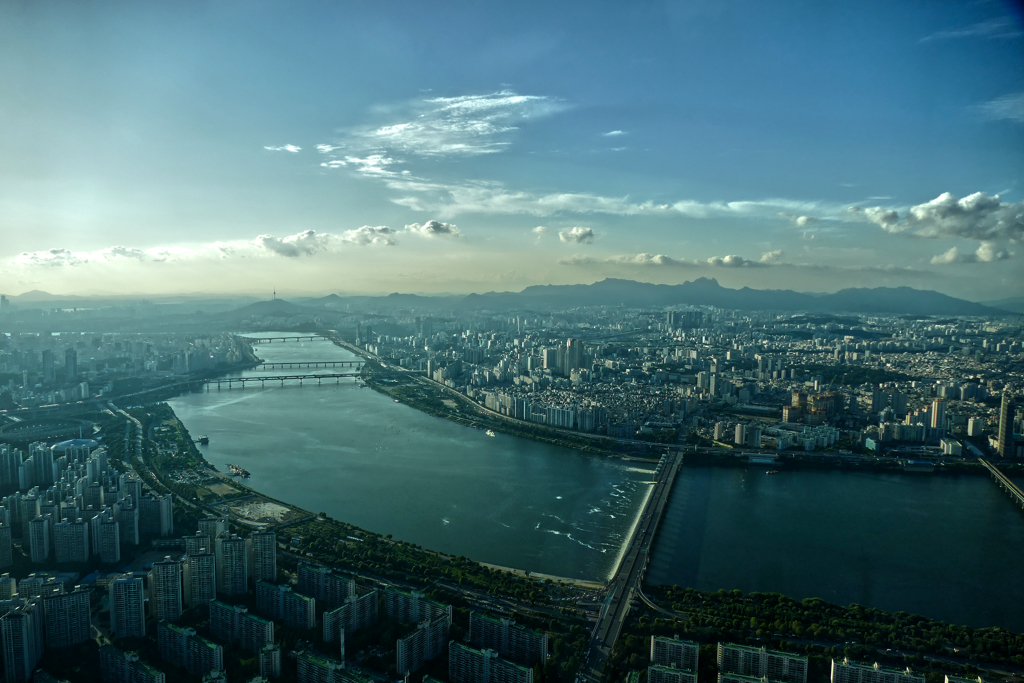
(127, 607)
(165, 590)
(49, 374)
(939, 415)
(1007, 411)
(70, 365)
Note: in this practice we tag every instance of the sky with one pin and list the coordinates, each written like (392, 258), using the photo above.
(443, 147)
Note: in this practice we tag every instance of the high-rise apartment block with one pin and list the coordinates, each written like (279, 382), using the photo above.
(411, 607)
(427, 642)
(270, 661)
(323, 584)
(846, 671)
(71, 541)
(682, 654)
(313, 668)
(66, 618)
(39, 538)
(1007, 412)
(658, 673)
(156, 515)
(511, 641)
(234, 624)
(264, 555)
(117, 666)
(127, 607)
(469, 665)
(20, 630)
(358, 612)
(200, 577)
(760, 663)
(232, 565)
(181, 647)
(282, 603)
(165, 590)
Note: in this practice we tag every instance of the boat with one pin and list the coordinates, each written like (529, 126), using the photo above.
(204, 440)
(237, 471)
(490, 432)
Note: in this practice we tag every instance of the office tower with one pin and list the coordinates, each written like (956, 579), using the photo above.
(411, 607)
(39, 538)
(181, 647)
(1007, 412)
(19, 637)
(200, 577)
(6, 553)
(270, 661)
(682, 654)
(165, 590)
(280, 602)
(469, 665)
(232, 567)
(49, 367)
(358, 612)
(233, 623)
(323, 584)
(745, 660)
(513, 642)
(117, 666)
(70, 365)
(658, 673)
(422, 645)
(127, 607)
(156, 515)
(264, 555)
(573, 355)
(71, 541)
(8, 587)
(852, 672)
(939, 415)
(66, 618)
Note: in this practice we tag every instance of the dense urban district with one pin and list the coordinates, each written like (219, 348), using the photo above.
(129, 558)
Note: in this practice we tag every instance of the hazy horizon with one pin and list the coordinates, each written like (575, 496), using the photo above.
(232, 149)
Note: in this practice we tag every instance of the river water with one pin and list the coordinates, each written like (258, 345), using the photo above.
(950, 548)
(362, 458)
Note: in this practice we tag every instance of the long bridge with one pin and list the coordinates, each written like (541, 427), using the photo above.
(1004, 481)
(271, 340)
(263, 379)
(313, 364)
(629, 575)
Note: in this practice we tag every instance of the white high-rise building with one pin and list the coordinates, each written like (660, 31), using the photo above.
(71, 541)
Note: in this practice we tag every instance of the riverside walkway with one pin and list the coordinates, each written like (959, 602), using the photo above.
(1004, 482)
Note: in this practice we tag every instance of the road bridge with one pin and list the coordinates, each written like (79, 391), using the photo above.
(271, 340)
(263, 379)
(1004, 482)
(312, 364)
(629, 576)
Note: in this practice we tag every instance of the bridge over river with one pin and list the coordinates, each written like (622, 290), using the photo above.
(263, 379)
(1004, 482)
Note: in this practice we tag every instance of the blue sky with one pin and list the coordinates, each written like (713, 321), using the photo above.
(447, 147)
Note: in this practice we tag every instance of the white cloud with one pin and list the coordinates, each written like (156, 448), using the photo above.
(50, 257)
(987, 252)
(1000, 27)
(1005, 108)
(326, 149)
(284, 148)
(734, 261)
(577, 235)
(614, 133)
(977, 216)
(367, 234)
(771, 256)
(540, 230)
(434, 228)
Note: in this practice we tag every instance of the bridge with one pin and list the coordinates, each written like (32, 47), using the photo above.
(629, 576)
(271, 340)
(263, 379)
(313, 364)
(1004, 482)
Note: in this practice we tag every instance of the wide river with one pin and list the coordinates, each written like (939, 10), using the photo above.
(950, 548)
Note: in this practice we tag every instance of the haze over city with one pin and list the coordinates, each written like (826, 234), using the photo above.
(358, 148)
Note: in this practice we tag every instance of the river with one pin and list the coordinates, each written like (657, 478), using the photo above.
(946, 547)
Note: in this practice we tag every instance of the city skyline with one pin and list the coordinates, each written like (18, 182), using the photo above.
(455, 150)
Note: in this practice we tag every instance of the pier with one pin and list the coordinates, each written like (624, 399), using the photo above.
(314, 364)
(1004, 482)
(263, 379)
(629, 575)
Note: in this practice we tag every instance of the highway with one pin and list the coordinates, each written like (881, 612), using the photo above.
(630, 574)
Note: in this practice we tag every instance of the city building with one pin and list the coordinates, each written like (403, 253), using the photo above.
(658, 673)
(156, 515)
(21, 642)
(264, 555)
(181, 647)
(469, 665)
(234, 624)
(39, 538)
(270, 661)
(71, 541)
(411, 607)
(323, 584)
(117, 666)
(846, 671)
(1007, 413)
(165, 590)
(761, 662)
(66, 618)
(232, 565)
(682, 654)
(282, 603)
(422, 645)
(510, 640)
(200, 578)
(358, 612)
(126, 595)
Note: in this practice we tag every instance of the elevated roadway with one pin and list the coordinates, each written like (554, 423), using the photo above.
(1004, 482)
